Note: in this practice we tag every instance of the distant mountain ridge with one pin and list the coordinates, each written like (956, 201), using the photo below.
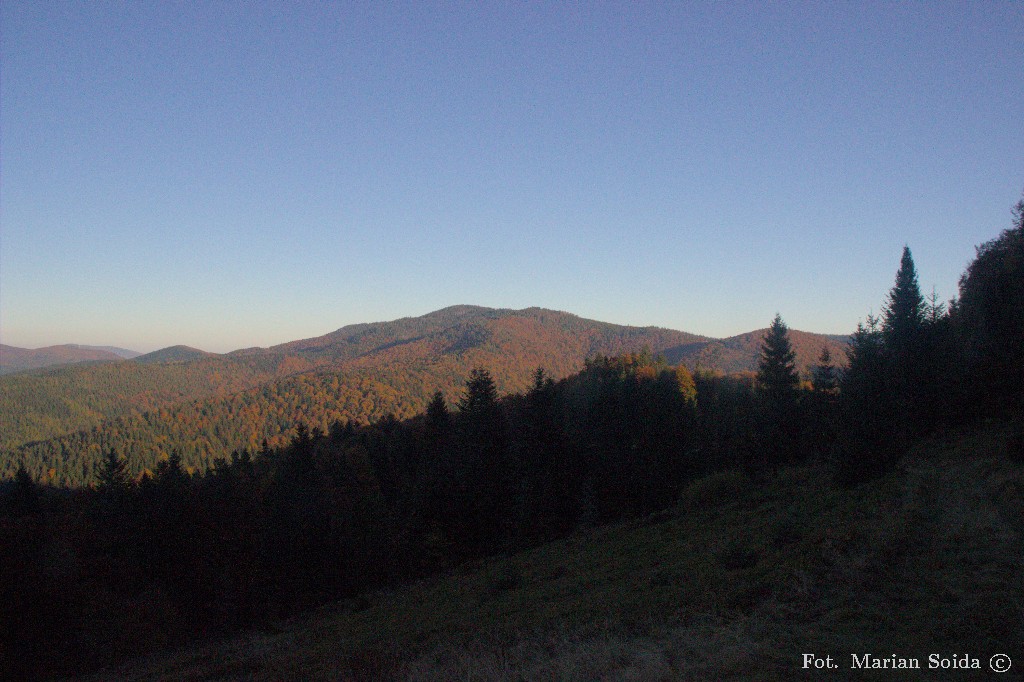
(125, 353)
(206, 405)
(14, 359)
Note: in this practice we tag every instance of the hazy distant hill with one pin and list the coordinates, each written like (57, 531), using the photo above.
(206, 405)
(174, 354)
(120, 352)
(14, 359)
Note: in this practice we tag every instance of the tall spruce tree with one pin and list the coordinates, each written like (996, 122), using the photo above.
(777, 388)
(903, 326)
(485, 471)
(438, 417)
(113, 472)
(903, 317)
(777, 378)
(823, 374)
(866, 414)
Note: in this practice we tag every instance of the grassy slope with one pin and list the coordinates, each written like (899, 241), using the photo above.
(736, 583)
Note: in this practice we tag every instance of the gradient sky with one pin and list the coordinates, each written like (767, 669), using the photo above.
(227, 174)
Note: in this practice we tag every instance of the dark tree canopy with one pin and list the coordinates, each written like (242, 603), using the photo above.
(990, 315)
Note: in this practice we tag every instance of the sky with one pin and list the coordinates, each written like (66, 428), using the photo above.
(235, 174)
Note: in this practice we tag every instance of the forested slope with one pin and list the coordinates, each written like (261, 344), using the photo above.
(14, 359)
(42, 404)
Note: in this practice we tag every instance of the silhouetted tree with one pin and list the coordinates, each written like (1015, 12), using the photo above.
(903, 323)
(823, 374)
(904, 314)
(821, 426)
(935, 310)
(484, 477)
(866, 415)
(439, 420)
(23, 499)
(777, 378)
(113, 472)
(778, 396)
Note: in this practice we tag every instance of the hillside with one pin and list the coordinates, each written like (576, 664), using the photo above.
(42, 404)
(206, 405)
(174, 354)
(736, 583)
(14, 359)
(740, 353)
(125, 353)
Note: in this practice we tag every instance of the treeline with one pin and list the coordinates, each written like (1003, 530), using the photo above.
(97, 574)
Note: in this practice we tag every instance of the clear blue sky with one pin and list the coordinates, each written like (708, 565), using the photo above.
(225, 174)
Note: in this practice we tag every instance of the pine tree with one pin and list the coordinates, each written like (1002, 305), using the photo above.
(485, 473)
(777, 377)
(866, 409)
(903, 326)
(935, 309)
(113, 472)
(777, 384)
(481, 398)
(24, 496)
(904, 314)
(823, 374)
(438, 417)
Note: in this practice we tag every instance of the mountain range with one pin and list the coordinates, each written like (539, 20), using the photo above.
(59, 420)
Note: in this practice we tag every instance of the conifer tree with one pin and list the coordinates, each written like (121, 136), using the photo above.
(485, 485)
(990, 319)
(481, 398)
(777, 384)
(777, 378)
(935, 309)
(823, 374)
(438, 417)
(904, 314)
(113, 472)
(867, 413)
(24, 498)
(903, 325)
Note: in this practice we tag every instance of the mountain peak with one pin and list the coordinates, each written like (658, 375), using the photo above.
(175, 354)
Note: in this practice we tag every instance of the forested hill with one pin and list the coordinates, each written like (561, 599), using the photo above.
(174, 354)
(14, 359)
(739, 353)
(58, 422)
